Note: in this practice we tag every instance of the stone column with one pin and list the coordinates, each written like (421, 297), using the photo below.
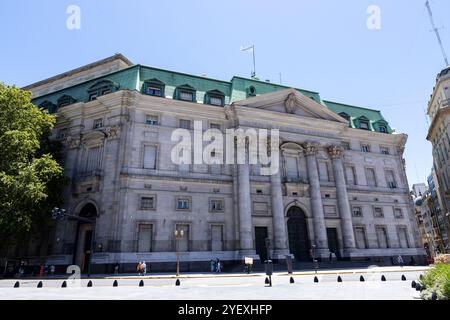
(279, 224)
(335, 153)
(320, 230)
(245, 210)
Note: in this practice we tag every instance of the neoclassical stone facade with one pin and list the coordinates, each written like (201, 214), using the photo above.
(341, 186)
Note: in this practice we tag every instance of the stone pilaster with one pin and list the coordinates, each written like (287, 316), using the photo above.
(245, 209)
(335, 153)
(320, 230)
(279, 224)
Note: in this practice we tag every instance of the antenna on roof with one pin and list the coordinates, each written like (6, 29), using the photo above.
(436, 31)
(252, 49)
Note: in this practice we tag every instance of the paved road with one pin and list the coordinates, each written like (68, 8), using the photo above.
(229, 286)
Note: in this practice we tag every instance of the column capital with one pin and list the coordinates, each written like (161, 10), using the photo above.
(335, 151)
(311, 148)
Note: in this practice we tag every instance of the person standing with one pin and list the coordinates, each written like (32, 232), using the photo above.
(52, 270)
(218, 265)
(116, 269)
(212, 265)
(139, 268)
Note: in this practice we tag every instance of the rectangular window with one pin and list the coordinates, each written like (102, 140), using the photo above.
(186, 95)
(383, 129)
(215, 126)
(384, 150)
(360, 238)
(185, 124)
(149, 157)
(370, 177)
(365, 148)
(98, 123)
(154, 91)
(382, 237)
(152, 120)
(323, 172)
(357, 211)
(216, 100)
(346, 145)
(145, 237)
(364, 125)
(291, 167)
(216, 205)
(378, 212)
(147, 203)
(403, 237)
(398, 213)
(350, 175)
(390, 179)
(183, 204)
(92, 159)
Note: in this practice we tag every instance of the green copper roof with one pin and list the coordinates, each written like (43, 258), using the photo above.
(238, 88)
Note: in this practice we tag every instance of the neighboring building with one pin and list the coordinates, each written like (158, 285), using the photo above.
(439, 136)
(341, 187)
(419, 189)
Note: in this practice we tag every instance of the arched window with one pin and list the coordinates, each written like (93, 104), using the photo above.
(65, 100)
(153, 87)
(101, 88)
(251, 91)
(185, 93)
(215, 98)
(49, 106)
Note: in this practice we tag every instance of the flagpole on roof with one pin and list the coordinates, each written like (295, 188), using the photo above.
(252, 49)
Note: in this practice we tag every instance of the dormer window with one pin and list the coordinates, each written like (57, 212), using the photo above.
(49, 106)
(364, 125)
(382, 129)
(185, 93)
(154, 87)
(65, 100)
(251, 91)
(101, 88)
(215, 98)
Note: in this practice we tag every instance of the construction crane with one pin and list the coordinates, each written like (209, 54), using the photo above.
(436, 31)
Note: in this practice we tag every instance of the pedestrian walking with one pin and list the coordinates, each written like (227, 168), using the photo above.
(144, 268)
(139, 268)
(400, 261)
(212, 265)
(116, 269)
(52, 270)
(218, 265)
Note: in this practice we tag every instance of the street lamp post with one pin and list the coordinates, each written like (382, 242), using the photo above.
(313, 254)
(61, 214)
(178, 236)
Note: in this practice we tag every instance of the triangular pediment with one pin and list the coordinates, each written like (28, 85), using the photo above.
(293, 102)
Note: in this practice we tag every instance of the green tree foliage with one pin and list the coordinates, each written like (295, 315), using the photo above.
(31, 180)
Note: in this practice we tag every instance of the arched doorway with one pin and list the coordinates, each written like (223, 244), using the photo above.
(298, 234)
(85, 236)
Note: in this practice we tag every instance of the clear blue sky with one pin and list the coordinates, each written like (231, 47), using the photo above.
(318, 45)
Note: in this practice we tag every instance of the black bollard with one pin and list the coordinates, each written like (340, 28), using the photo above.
(267, 281)
(418, 287)
(141, 283)
(339, 279)
(403, 277)
(421, 276)
(434, 296)
(413, 284)
(17, 284)
(89, 284)
(361, 279)
(316, 280)
(115, 284)
(177, 283)
(291, 280)
(40, 284)
(383, 278)
(64, 284)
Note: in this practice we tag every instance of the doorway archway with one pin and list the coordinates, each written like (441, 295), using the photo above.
(299, 243)
(85, 237)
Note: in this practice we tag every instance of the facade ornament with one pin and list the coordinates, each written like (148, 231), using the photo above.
(335, 152)
(310, 148)
(72, 142)
(113, 132)
(290, 103)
